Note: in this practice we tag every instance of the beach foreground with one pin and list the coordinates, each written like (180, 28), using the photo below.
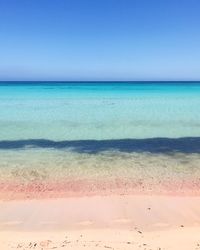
(110, 165)
(173, 239)
(101, 222)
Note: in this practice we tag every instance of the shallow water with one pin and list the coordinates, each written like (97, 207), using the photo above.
(73, 136)
(37, 173)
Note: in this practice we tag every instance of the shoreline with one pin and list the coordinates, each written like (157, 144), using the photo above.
(89, 188)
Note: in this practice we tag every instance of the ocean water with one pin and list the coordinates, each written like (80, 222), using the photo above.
(146, 133)
(82, 111)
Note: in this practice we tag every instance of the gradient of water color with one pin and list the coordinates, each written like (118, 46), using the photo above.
(46, 128)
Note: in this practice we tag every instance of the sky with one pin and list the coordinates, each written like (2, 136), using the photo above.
(99, 40)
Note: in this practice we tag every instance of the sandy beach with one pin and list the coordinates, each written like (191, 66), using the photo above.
(174, 239)
(64, 200)
(99, 125)
(100, 166)
(101, 222)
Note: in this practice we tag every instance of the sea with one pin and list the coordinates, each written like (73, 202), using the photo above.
(146, 132)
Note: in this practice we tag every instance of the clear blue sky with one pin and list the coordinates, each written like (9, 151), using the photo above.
(99, 39)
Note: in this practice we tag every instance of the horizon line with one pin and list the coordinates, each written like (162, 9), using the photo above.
(93, 81)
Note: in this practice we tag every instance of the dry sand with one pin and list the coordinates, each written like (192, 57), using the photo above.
(118, 239)
(101, 222)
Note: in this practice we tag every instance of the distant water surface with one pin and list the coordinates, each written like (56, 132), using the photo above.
(111, 110)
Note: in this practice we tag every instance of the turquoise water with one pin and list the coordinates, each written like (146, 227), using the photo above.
(99, 137)
(79, 111)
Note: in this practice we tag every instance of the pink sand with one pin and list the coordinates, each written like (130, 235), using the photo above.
(99, 222)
